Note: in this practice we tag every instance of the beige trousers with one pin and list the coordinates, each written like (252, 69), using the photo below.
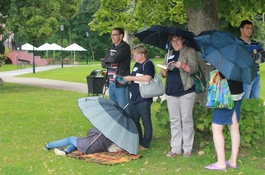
(182, 128)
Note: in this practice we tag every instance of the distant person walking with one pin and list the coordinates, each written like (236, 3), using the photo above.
(1, 82)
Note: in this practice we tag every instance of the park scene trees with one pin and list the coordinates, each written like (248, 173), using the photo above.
(47, 113)
(39, 21)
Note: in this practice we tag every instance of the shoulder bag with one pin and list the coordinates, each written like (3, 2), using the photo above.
(219, 95)
(198, 78)
(154, 88)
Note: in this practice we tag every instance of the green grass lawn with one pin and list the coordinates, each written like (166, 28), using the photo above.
(31, 116)
(74, 74)
(8, 67)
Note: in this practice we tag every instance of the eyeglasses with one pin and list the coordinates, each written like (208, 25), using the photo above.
(115, 34)
(175, 40)
(133, 56)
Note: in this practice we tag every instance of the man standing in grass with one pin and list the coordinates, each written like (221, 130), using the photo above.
(252, 90)
(117, 61)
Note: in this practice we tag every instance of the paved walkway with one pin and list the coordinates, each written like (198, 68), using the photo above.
(9, 76)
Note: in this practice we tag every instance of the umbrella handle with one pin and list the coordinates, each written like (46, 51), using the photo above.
(126, 106)
(92, 143)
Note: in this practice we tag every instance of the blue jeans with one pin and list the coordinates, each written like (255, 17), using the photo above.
(252, 90)
(119, 95)
(143, 110)
(71, 141)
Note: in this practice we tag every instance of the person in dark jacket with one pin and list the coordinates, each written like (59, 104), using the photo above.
(94, 142)
(117, 61)
(252, 90)
(230, 117)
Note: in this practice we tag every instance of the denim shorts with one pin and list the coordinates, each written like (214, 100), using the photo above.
(223, 116)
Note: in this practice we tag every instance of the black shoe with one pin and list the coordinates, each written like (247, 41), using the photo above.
(46, 148)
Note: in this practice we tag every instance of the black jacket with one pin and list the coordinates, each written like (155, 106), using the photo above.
(122, 58)
(236, 87)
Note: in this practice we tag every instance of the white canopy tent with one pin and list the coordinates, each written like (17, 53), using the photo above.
(46, 47)
(74, 47)
(54, 48)
(28, 46)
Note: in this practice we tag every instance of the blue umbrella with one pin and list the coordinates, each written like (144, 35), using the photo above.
(113, 121)
(159, 36)
(227, 54)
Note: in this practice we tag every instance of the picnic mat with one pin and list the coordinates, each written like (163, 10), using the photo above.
(105, 158)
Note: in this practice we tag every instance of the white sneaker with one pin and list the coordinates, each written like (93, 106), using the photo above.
(59, 152)
(114, 148)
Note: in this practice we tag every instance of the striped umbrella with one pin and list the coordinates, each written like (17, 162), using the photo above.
(113, 121)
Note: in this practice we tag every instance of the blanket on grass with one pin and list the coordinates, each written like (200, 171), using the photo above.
(105, 158)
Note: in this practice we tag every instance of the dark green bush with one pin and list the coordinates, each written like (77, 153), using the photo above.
(252, 123)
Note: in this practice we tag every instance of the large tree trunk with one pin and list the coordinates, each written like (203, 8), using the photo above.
(128, 38)
(200, 20)
(203, 19)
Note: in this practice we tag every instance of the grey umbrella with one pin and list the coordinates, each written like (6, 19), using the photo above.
(112, 121)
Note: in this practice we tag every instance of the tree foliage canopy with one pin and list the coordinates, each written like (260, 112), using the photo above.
(138, 14)
(38, 19)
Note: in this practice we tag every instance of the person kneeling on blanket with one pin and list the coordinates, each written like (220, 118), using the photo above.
(95, 142)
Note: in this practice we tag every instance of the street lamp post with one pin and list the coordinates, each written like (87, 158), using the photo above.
(87, 35)
(62, 29)
(33, 61)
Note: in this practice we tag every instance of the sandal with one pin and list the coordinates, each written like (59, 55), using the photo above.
(214, 167)
(229, 165)
(172, 154)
